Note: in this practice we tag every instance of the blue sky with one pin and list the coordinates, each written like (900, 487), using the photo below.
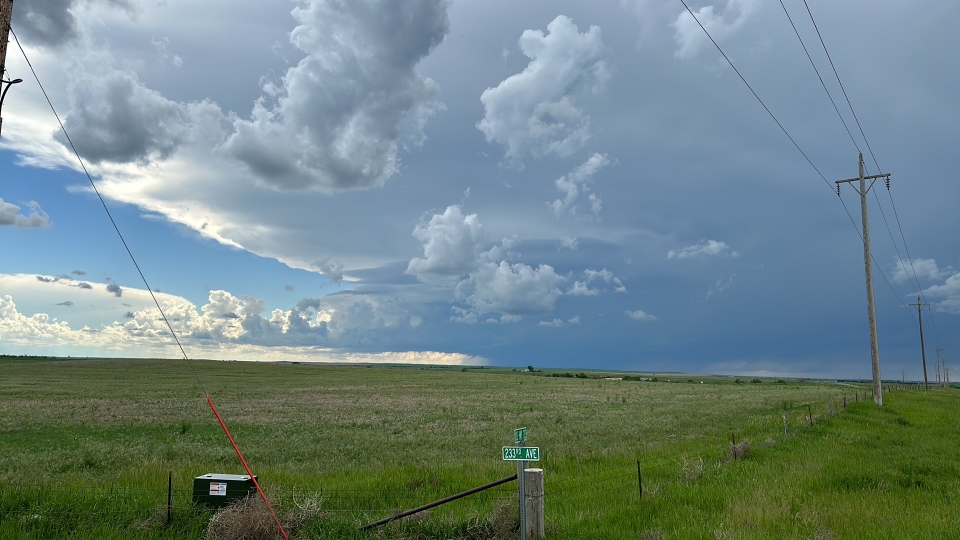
(565, 184)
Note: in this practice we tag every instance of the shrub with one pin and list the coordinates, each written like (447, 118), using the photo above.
(756, 381)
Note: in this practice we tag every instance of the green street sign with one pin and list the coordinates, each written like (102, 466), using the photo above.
(520, 435)
(521, 453)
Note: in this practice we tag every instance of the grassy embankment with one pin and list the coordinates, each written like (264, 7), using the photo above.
(85, 447)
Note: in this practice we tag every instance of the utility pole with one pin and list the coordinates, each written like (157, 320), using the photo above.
(6, 15)
(923, 352)
(939, 367)
(868, 267)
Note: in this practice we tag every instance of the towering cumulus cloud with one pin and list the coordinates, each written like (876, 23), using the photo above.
(535, 112)
(345, 108)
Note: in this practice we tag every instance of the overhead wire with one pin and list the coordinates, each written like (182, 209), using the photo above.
(792, 140)
(876, 163)
(147, 285)
(853, 140)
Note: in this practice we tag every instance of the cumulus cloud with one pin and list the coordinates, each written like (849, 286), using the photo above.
(721, 25)
(949, 291)
(580, 288)
(114, 289)
(560, 322)
(452, 244)
(603, 275)
(485, 281)
(924, 268)
(703, 248)
(640, 315)
(84, 285)
(512, 289)
(207, 333)
(536, 111)
(114, 117)
(579, 182)
(51, 23)
(344, 110)
(9, 216)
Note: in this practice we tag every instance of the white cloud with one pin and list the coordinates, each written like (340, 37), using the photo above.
(335, 121)
(949, 291)
(560, 322)
(568, 242)
(9, 216)
(640, 315)
(580, 288)
(579, 181)
(721, 25)
(452, 244)
(606, 276)
(924, 268)
(535, 112)
(226, 327)
(720, 286)
(511, 289)
(347, 106)
(485, 281)
(704, 248)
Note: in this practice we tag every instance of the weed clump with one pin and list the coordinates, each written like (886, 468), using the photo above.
(249, 519)
(738, 451)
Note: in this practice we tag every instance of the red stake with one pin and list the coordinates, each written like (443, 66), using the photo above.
(247, 467)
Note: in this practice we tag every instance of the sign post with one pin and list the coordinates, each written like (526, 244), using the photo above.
(522, 454)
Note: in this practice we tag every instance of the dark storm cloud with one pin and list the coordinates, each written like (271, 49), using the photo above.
(78, 273)
(52, 23)
(67, 303)
(85, 285)
(115, 289)
(114, 117)
(345, 109)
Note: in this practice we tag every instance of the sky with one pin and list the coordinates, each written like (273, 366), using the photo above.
(580, 185)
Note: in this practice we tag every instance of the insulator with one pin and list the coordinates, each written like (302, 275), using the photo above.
(838, 190)
(888, 183)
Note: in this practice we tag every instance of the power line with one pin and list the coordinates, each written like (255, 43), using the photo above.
(875, 162)
(103, 203)
(785, 132)
(109, 215)
(845, 127)
(814, 65)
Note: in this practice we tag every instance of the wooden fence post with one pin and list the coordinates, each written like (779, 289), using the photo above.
(533, 485)
(810, 412)
(169, 497)
(639, 478)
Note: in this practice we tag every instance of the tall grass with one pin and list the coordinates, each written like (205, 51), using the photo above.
(85, 447)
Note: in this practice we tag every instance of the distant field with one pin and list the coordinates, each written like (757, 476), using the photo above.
(85, 446)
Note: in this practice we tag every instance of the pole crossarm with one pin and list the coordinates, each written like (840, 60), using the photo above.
(871, 177)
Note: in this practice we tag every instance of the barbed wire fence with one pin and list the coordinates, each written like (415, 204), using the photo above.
(25, 504)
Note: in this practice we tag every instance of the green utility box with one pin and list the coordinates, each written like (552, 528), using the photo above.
(218, 490)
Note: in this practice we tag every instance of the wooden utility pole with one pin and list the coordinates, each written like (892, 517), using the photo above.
(940, 377)
(923, 352)
(868, 268)
(6, 14)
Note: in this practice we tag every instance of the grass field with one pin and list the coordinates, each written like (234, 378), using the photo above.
(85, 447)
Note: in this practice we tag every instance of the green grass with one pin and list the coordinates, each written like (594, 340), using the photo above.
(85, 446)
